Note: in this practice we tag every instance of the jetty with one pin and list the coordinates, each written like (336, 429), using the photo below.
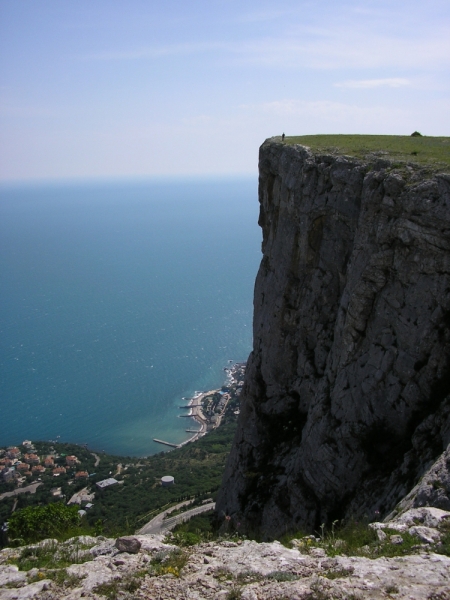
(235, 375)
(166, 443)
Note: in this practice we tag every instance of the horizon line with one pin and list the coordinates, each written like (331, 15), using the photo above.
(37, 181)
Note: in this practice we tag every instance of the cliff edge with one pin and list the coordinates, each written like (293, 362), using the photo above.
(346, 401)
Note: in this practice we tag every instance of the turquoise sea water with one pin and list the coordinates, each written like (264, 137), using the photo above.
(118, 299)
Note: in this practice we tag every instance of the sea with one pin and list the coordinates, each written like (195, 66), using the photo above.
(118, 300)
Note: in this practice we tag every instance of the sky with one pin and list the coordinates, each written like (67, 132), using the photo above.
(108, 88)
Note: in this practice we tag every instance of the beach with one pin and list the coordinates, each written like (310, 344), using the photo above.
(208, 408)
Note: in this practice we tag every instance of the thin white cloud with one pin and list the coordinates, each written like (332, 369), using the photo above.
(346, 48)
(326, 112)
(393, 82)
(324, 48)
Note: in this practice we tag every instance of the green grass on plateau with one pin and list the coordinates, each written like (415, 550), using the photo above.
(425, 150)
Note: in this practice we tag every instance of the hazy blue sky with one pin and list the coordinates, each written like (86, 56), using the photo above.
(140, 87)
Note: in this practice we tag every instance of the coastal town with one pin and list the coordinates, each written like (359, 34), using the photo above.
(16, 465)
(41, 472)
(26, 468)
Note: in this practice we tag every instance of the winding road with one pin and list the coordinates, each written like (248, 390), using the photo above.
(29, 488)
(159, 525)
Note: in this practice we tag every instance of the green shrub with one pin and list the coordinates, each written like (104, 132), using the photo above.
(234, 594)
(338, 573)
(184, 538)
(282, 576)
(200, 528)
(172, 562)
(36, 523)
(349, 539)
(392, 589)
(116, 589)
(51, 556)
(357, 539)
(444, 546)
(246, 577)
(62, 578)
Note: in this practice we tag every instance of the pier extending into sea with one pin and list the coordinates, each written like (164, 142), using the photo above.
(197, 414)
(166, 443)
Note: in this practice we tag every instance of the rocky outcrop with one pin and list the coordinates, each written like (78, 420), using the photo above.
(346, 401)
(433, 488)
(224, 569)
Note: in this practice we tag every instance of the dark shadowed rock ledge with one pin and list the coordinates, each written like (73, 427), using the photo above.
(346, 401)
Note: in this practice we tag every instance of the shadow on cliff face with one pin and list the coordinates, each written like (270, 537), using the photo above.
(278, 430)
(265, 477)
(396, 459)
(383, 448)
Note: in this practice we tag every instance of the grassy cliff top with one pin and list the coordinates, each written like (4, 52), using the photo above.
(422, 150)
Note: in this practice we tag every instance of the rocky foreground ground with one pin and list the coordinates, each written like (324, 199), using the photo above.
(146, 566)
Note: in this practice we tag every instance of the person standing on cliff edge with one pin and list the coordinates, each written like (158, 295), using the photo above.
(282, 138)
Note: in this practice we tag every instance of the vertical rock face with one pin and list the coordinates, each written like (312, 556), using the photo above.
(347, 394)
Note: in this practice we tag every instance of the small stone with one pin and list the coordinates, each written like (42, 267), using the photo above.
(381, 535)
(128, 544)
(396, 539)
(429, 535)
(249, 594)
(10, 575)
(102, 549)
(229, 544)
(205, 561)
(33, 572)
(330, 563)
(208, 585)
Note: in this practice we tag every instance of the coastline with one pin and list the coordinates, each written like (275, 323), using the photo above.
(208, 408)
(196, 413)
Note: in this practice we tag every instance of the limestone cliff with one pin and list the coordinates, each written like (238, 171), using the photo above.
(346, 400)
